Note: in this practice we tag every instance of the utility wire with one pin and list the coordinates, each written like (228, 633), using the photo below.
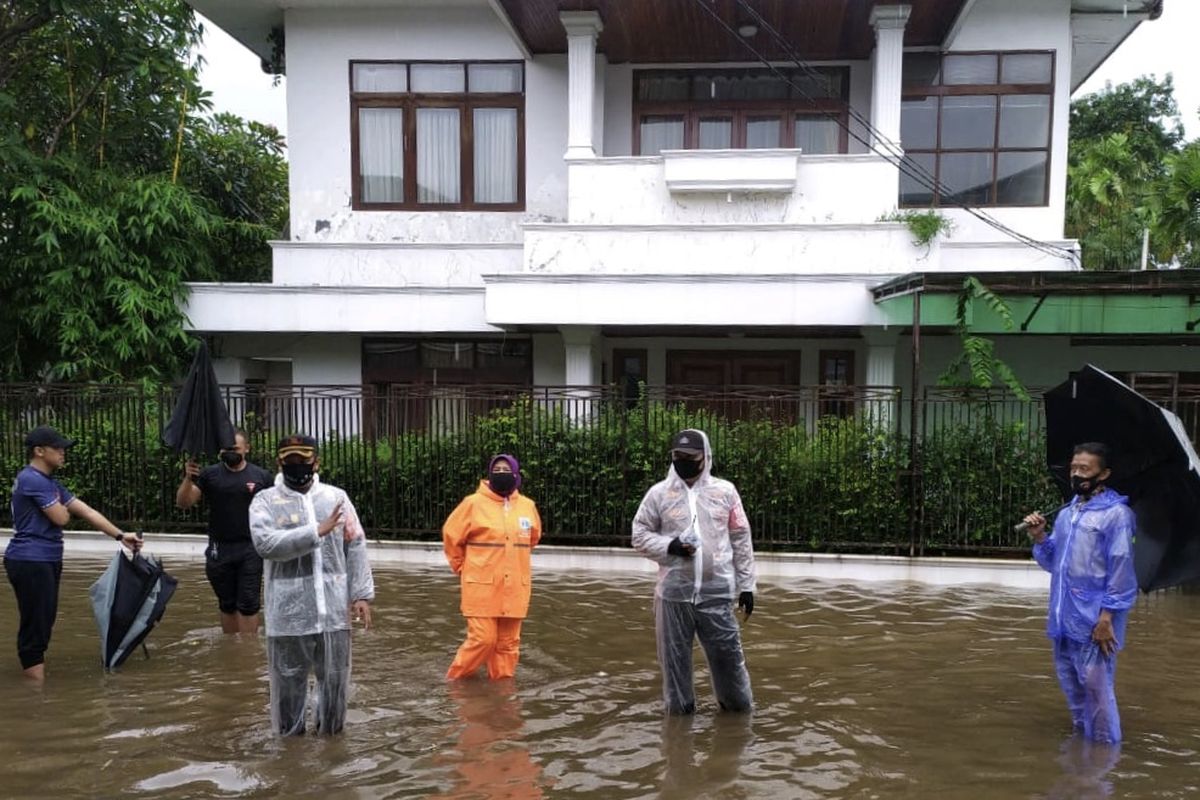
(914, 171)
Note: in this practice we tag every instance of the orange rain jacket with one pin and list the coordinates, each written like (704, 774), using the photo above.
(488, 540)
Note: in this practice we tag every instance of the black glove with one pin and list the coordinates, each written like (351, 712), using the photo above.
(746, 602)
(676, 548)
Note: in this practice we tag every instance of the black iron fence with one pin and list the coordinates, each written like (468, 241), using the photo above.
(818, 468)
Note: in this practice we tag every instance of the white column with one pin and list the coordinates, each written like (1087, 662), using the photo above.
(582, 29)
(881, 371)
(889, 22)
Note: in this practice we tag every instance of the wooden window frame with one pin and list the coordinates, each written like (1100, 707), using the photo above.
(997, 90)
(409, 103)
(739, 111)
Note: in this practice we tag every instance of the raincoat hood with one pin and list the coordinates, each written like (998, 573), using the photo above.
(1105, 498)
(705, 471)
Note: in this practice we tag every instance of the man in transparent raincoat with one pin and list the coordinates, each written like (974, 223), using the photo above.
(316, 574)
(693, 525)
(1092, 587)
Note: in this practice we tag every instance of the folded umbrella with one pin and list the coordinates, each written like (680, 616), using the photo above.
(200, 422)
(128, 600)
(1153, 463)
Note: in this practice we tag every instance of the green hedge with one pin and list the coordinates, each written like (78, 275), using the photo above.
(834, 484)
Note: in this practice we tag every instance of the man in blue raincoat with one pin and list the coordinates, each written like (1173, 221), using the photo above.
(1092, 587)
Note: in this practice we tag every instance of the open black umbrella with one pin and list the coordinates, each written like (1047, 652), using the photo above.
(200, 422)
(128, 600)
(1153, 462)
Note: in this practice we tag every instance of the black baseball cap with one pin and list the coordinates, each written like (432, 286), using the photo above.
(689, 441)
(298, 444)
(45, 436)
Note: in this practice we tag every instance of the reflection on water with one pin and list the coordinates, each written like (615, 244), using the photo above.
(884, 690)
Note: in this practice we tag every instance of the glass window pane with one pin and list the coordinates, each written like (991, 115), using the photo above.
(1021, 179)
(661, 133)
(966, 178)
(763, 132)
(758, 85)
(381, 155)
(495, 155)
(1025, 68)
(968, 121)
(438, 78)
(447, 355)
(1025, 120)
(659, 86)
(958, 70)
(380, 78)
(825, 84)
(918, 123)
(439, 154)
(817, 136)
(715, 134)
(914, 192)
(494, 77)
(921, 69)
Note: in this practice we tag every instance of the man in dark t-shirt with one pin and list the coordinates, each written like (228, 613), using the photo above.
(232, 565)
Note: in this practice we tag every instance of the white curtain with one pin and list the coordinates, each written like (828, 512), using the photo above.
(817, 135)
(495, 155)
(438, 156)
(716, 134)
(661, 133)
(381, 154)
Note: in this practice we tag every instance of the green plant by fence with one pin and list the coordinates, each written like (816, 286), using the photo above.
(818, 468)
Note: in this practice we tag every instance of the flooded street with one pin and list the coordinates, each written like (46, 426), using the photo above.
(871, 691)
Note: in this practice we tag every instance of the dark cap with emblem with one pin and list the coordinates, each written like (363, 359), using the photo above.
(688, 441)
(298, 444)
(45, 436)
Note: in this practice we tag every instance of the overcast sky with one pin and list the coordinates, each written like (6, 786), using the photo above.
(1168, 44)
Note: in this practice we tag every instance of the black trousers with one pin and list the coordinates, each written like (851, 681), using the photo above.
(290, 660)
(36, 586)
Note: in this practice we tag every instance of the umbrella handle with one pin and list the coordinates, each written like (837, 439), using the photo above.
(1021, 527)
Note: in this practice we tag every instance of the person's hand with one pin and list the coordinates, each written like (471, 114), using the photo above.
(678, 548)
(332, 521)
(131, 541)
(191, 470)
(1035, 526)
(746, 603)
(361, 610)
(1103, 634)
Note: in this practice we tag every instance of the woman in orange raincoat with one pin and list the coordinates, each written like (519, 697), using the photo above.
(488, 540)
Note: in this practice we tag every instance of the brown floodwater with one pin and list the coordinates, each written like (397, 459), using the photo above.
(867, 691)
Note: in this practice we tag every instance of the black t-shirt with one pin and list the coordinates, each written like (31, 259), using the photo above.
(228, 495)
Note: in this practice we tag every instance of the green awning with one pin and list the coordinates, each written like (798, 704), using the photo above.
(1064, 303)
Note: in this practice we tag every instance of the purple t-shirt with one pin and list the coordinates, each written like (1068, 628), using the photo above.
(35, 537)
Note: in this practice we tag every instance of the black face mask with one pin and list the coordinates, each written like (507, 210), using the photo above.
(687, 468)
(1084, 486)
(502, 483)
(297, 476)
(232, 458)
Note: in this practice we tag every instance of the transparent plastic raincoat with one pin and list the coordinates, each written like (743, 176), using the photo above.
(1090, 560)
(310, 582)
(694, 595)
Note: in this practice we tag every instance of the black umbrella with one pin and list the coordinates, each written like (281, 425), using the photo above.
(1153, 462)
(200, 422)
(128, 600)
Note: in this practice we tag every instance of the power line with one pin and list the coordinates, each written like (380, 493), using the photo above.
(912, 170)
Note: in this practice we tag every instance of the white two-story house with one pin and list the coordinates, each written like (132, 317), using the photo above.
(575, 192)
